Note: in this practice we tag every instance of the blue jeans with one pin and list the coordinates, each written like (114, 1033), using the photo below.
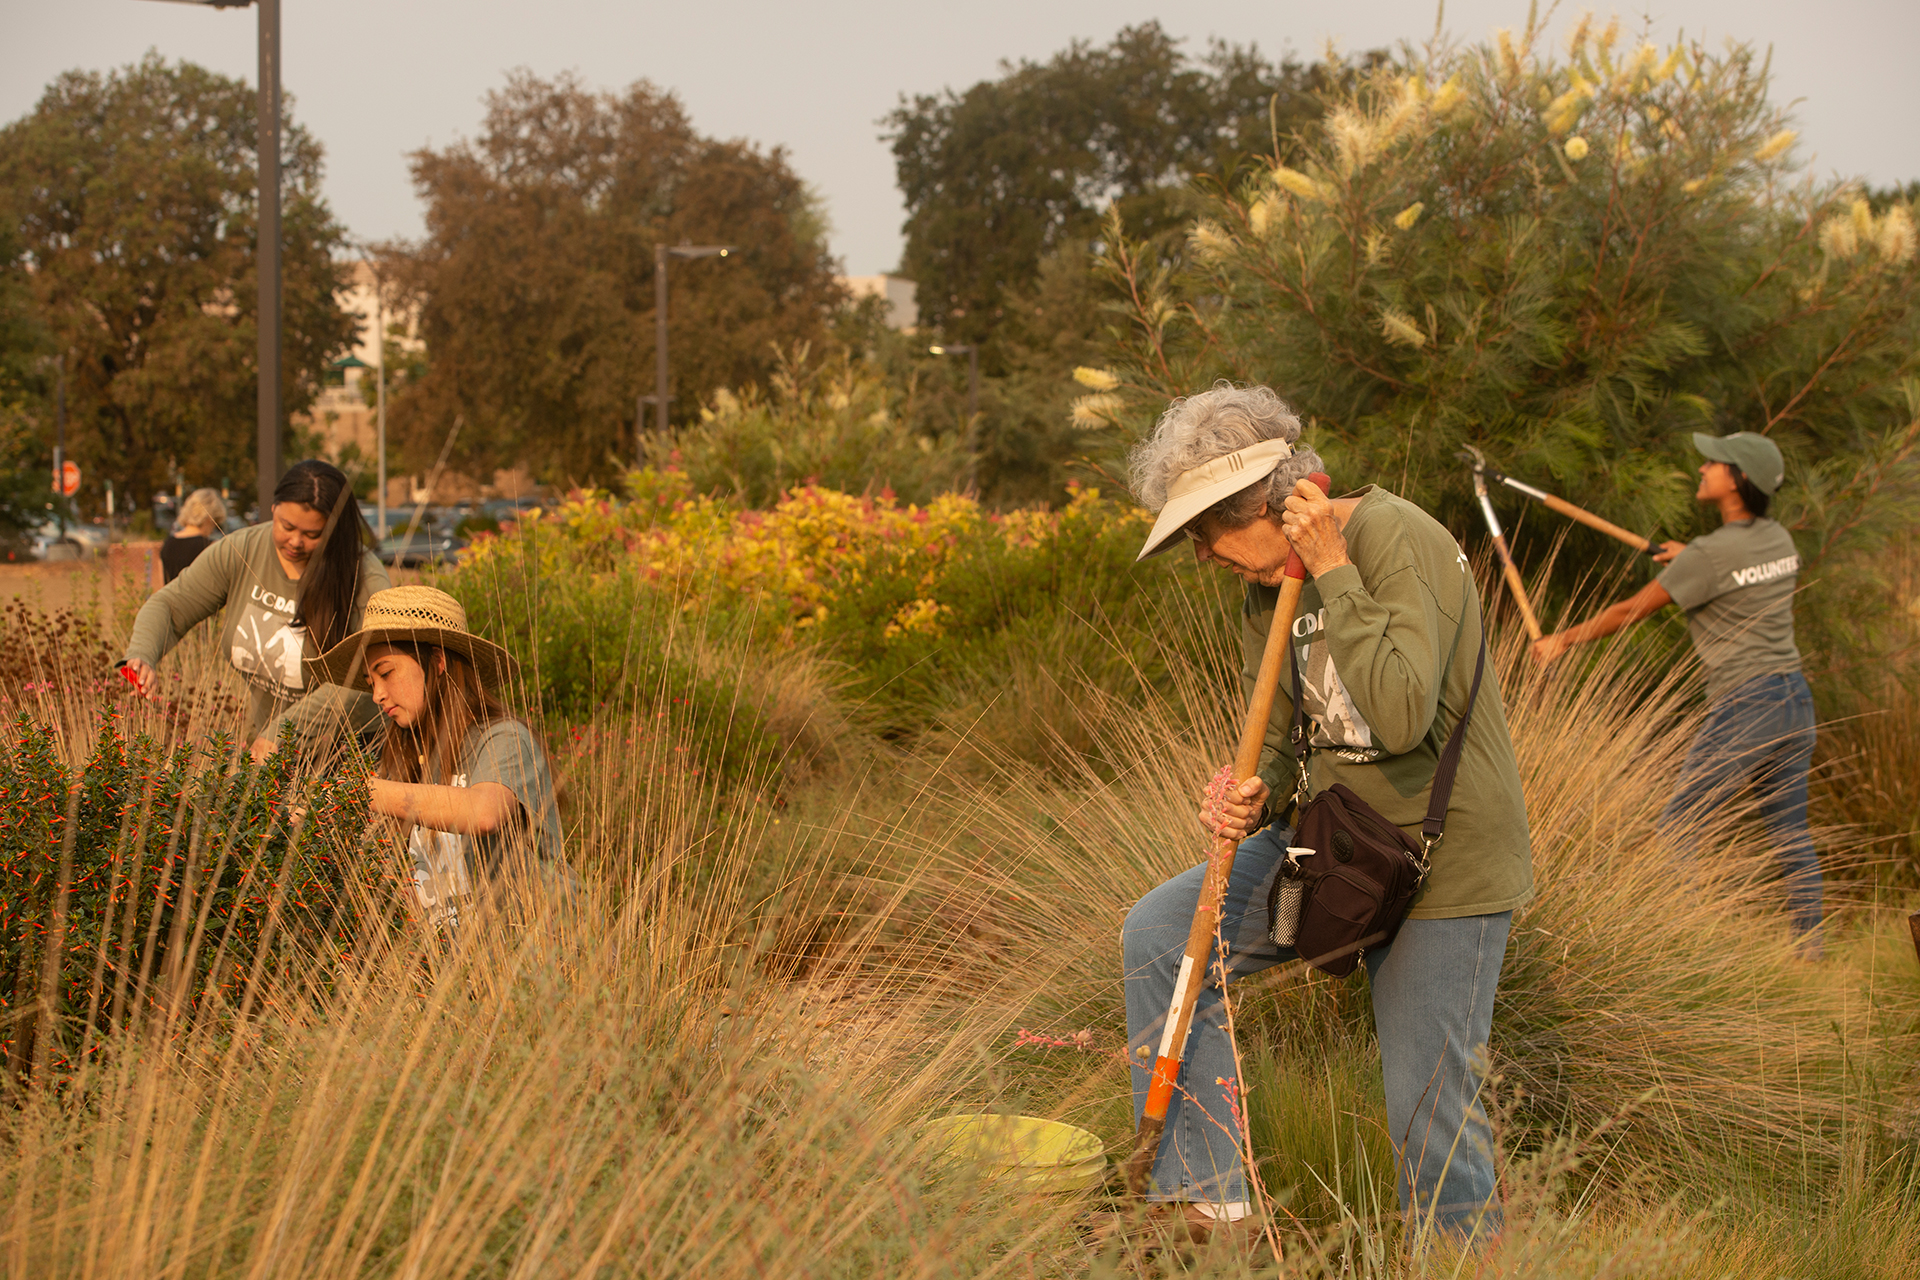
(1760, 734)
(1432, 1009)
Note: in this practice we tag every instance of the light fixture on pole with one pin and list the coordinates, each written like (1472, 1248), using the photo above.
(662, 253)
(971, 350)
(267, 444)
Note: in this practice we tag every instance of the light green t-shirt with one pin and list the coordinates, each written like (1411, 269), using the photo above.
(241, 575)
(447, 864)
(1736, 585)
(1386, 648)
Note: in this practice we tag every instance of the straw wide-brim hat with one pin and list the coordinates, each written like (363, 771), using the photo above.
(412, 615)
(1194, 491)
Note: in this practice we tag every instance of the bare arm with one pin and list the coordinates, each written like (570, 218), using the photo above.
(1643, 603)
(474, 810)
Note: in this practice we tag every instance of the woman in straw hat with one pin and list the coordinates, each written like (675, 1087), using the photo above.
(465, 773)
(1384, 648)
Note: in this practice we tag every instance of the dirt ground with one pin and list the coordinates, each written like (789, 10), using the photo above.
(112, 584)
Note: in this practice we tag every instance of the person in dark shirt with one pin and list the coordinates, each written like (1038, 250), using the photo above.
(1736, 585)
(201, 515)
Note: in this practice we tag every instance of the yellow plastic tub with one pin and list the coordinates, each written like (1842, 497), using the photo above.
(1023, 1153)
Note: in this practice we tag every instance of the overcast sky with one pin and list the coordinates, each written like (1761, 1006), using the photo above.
(375, 79)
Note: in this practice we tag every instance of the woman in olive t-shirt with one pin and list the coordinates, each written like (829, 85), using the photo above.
(288, 588)
(1736, 585)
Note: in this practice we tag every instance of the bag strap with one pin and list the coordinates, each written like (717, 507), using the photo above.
(1433, 826)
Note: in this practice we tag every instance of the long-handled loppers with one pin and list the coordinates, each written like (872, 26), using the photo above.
(1507, 567)
(1565, 508)
(1213, 890)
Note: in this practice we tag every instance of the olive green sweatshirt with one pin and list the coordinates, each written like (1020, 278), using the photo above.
(241, 574)
(1386, 648)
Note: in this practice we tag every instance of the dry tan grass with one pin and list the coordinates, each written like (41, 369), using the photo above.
(717, 1068)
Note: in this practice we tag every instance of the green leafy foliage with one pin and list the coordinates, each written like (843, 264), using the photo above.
(1571, 265)
(133, 197)
(1014, 169)
(597, 635)
(536, 280)
(154, 875)
(835, 422)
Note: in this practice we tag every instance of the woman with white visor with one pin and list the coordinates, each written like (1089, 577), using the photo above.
(1385, 642)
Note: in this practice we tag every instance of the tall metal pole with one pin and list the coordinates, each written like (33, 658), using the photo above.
(380, 403)
(268, 445)
(60, 448)
(660, 340)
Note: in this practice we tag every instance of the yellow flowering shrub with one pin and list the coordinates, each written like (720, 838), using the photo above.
(896, 590)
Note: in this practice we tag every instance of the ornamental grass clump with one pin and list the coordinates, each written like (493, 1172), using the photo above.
(718, 1064)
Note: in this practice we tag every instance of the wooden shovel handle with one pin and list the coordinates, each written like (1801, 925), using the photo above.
(1213, 888)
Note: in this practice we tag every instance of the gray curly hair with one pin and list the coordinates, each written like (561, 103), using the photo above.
(1197, 429)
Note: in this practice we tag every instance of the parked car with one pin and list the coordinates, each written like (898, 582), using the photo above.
(77, 541)
(430, 544)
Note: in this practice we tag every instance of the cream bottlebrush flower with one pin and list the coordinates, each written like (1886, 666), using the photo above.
(1644, 63)
(1097, 379)
(1509, 58)
(1353, 136)
(1409, 215)
(1838, 238)
(1664, 72)
(1576, 148)
(1406, 106)
(1894, 236)
(1264, 213)
(1577, 39)
(1775, 145)
(1209, 241)
(1862, 216)
(1298, 183)
(1693, 186)
(1090, 413)
(1398, 327)
(1448, 96)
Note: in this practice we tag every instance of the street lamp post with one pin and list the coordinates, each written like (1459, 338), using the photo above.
(267, 264)
(662, 254)
(971, 350)
(380, 404)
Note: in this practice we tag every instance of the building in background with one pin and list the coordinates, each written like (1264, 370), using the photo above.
(343, 413)
(895, 292)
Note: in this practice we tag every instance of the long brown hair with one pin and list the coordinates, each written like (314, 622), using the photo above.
(330, 584)
(456, 704)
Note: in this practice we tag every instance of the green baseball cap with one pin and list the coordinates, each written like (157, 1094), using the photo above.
(1756, 456)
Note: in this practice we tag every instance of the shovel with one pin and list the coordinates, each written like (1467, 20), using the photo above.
(1213, 890)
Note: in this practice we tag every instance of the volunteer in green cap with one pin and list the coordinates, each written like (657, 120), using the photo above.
(1736, 585)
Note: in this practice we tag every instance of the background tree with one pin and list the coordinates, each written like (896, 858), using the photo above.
(1571, 265)
(1006, 185)
(133, 198)
(1013, 169)
(536, 276)
(25, 355)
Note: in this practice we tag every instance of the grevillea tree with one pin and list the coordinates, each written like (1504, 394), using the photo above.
(1571, 262)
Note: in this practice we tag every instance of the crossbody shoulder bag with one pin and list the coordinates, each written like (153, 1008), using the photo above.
(1350, 875)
